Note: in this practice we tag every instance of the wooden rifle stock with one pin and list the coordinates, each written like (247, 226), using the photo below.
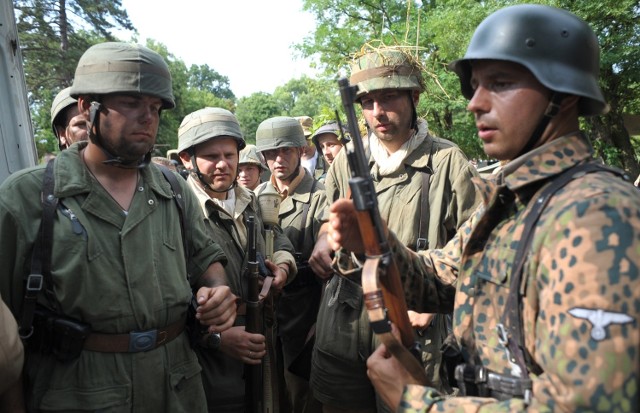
(253, 373)
(383, 292)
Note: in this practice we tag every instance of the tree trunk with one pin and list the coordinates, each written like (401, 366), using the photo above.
(610, 129)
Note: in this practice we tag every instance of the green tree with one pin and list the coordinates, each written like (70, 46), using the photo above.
(53, 42)
(190, 93)
(53, 35)
(307, 97)
(442, 31)
(204, 78)
(253, 109)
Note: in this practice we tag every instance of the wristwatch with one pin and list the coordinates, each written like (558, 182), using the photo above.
(212, 341)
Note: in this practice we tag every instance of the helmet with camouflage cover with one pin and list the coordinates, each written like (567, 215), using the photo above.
(61, 102)
(558, 47)
(250, 155)
(206, 124)
(386, 68)
(279, 132)
(118, 67)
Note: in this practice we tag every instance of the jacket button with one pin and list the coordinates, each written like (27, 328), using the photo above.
(150, 202)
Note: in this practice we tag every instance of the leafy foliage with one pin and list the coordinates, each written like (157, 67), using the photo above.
(442, 30)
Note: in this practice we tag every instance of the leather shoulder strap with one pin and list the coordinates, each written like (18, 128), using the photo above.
(512, 316)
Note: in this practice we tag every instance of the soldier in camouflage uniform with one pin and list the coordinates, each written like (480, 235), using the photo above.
(557, 329)
(109, 334)
(424, 190)
(209, 141)
(281, 141)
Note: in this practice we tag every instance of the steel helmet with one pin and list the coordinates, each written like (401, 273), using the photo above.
(386, 68)
(117, 67)
(62, 101)
(331, 127)
(250, 155)
(558, 47)
(208, 123)
(279, 132)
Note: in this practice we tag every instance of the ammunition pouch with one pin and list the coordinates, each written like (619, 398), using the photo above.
(479, 381)
(57, 334)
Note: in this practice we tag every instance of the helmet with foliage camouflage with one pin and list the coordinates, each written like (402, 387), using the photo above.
(279, 132)
(250, 155)
(386, 68)
(206, 124)
(62, 100)
(558, 47)
(118, 67)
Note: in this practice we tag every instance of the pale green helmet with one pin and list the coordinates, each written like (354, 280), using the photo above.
(62, 101)
(279, 132)
(206, 124)
(250, 155)
(386, 68)
(118, 67)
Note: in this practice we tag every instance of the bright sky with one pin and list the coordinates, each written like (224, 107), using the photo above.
(248, 41)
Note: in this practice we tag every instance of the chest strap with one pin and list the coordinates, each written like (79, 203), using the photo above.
(40, 275)
(512, 316)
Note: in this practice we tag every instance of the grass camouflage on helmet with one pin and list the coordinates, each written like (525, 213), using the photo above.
(386, 67)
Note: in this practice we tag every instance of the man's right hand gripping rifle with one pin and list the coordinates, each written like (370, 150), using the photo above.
(357, 226)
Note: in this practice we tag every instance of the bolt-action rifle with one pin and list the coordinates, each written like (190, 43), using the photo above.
(253, 373)
(382, 288)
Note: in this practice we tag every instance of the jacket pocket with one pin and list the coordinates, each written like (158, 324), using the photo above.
(342, 322)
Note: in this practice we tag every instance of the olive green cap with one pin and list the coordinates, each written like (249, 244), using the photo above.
(386, 68)
(279, 132)
(62, 101)
(558, 47)
(118, 67)
(206, 124)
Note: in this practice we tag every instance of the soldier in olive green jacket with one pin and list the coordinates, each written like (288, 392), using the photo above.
(281, 141)
(209, 141)
(120, 284)
(424, 191)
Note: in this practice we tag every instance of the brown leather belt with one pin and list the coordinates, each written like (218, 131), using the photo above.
(134, 341)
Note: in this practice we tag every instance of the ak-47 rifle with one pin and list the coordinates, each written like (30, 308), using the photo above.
(253, 373)
(383, 292)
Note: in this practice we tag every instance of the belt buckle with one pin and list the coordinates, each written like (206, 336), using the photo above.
(142, 340)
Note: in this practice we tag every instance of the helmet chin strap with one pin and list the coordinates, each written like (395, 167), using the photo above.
(552, 110)
(111, 158)
(200, 175)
